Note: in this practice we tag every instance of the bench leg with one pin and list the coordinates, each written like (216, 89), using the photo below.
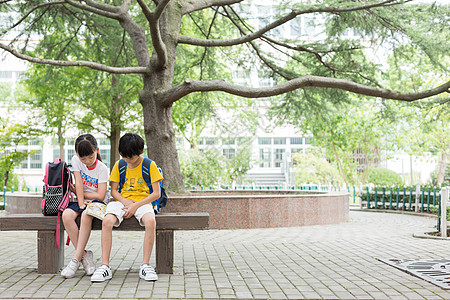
(50, 259)
(164, 251)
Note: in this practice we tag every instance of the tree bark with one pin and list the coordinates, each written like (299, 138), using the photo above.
(6, 178)
(114, 140)
(158, 125)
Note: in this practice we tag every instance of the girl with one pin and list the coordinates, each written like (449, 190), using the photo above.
(91, 178)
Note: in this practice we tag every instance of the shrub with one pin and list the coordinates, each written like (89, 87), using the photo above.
(384, 177)
(211, 168)
(313, 167)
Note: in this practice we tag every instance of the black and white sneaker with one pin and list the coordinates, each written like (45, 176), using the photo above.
(101, 274)
(147, 273)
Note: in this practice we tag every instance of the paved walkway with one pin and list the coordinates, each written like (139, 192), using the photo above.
(313, 262)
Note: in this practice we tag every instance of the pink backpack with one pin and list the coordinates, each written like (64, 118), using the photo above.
(56, 191)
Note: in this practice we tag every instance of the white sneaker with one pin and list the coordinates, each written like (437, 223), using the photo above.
(88, 262)
(146, 272)
(101, 274)
(71, 269)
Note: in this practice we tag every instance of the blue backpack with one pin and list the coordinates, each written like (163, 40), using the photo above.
(158, 203)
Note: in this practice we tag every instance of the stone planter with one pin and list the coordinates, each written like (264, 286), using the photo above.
(264, 210)
(23, 203)
(237, 209)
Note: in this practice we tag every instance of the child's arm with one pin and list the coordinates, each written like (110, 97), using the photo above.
(117, 196)
(101, 192)
(132, 207)
(79, 189)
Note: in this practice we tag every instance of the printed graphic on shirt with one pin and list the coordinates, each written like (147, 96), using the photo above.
(88, 180)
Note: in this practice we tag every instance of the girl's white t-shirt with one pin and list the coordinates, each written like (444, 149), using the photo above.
(91, 177)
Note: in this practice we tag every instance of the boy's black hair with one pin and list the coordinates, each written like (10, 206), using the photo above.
(85, 145)
(131, 144)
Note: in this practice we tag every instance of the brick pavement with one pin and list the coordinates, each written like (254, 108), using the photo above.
(312, 262)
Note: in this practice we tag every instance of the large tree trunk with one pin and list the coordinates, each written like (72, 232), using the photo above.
(158, 125)
(114, 140)
(160, 137)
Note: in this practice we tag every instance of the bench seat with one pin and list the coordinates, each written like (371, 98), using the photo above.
(51, 259)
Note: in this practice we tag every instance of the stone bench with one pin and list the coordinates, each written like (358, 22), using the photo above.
(51, 259)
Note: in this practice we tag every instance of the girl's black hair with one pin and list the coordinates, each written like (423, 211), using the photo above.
(131, 144)
(85, 145)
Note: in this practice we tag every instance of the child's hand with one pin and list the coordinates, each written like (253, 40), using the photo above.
(72, 188)
(130, 210)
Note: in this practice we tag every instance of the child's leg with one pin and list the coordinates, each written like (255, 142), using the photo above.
(83, 236)
(149, 222)
(68, 217)
(107, 226)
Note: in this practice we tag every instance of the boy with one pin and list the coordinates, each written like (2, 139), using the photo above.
(134, 199)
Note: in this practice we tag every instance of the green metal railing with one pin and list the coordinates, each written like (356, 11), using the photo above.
(396, 198)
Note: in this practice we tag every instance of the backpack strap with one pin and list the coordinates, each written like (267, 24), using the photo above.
(146, 175)
(146, 172)
(122, 172)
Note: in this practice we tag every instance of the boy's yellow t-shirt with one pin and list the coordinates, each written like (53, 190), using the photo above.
(135, 188)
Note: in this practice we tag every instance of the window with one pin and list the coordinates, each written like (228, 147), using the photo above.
(70, 154)
(229, 153)
(6, 74)
(104, 141)
(36, 160)
(20, 75)
(308, 141)
(265, 82)
(279, 141)
(267, 15)
(279, 155)
(244, 140)
(24, 164)
(34, 142)
(229, 141)
(211, 141)
(265, 141)
(106, 156)
(265, 156)
(296, 141)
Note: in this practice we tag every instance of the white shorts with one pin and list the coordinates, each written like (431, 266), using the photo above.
(115, 208)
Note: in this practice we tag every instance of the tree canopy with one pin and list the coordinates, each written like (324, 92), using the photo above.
(314, 70)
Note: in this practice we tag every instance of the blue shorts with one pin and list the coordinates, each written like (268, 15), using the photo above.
(74, 206)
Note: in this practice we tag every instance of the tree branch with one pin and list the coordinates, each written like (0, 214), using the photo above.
(80, 63)
(158, 44)
(137, 35)
(191, 6)
(191, 86)
(145, 10)
(153, 19)
(182, 39)
(102, 6)
(95, 9)
(257, 50)
(29, 12)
